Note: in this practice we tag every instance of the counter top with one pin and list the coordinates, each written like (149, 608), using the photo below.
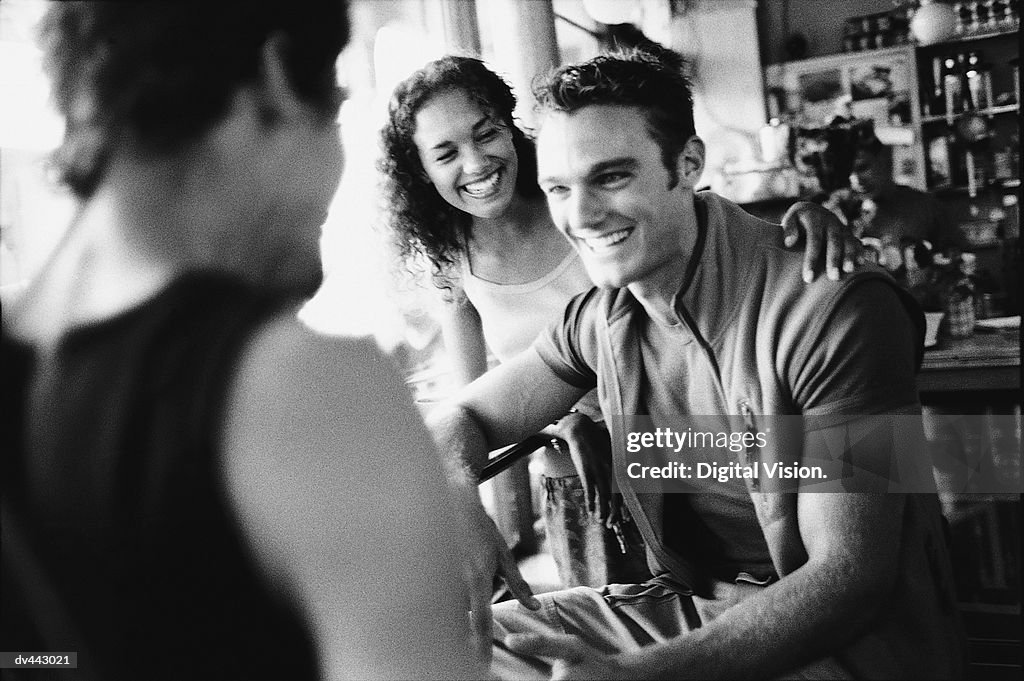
(984, 361)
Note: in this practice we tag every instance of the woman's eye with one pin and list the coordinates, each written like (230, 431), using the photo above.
(444, 157)
(487, 135)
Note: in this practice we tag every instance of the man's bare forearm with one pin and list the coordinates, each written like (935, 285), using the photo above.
(811, 613)
(461, 441)
(806, 616)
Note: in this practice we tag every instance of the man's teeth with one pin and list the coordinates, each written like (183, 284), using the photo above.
(608, 240)
(484, 186)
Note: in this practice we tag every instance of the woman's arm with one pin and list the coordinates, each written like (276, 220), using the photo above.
(828, 243)
(464, 339)
(341, 495)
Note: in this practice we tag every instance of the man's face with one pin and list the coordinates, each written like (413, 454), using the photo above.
(608, 193)
(870, 171)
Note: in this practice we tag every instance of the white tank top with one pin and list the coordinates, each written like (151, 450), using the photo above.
(514, 314)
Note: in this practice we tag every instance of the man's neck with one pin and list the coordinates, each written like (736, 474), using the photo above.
(659, 291)
(132, 236)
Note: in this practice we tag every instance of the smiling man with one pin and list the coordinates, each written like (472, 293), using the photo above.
(698, 311)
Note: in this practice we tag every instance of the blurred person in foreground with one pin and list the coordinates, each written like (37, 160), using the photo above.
(699, 313)
(196, 486)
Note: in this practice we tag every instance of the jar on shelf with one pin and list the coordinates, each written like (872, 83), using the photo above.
(960, 317)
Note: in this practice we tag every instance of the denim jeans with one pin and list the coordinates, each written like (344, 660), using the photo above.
(587, 553)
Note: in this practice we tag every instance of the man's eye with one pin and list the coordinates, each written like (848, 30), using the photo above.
(555, 190)
(487, 135)
(612, 180)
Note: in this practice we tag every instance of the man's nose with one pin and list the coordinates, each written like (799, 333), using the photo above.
(586, 210)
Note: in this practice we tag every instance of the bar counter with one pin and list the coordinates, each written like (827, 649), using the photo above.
(988, 360)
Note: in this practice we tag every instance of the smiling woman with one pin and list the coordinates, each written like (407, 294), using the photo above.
(460, 177)
(467, 155)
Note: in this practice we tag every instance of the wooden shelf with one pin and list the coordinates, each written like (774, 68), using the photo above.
(982, 34)
(991, 111)
(988, 185)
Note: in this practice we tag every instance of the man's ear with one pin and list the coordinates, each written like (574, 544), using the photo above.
(690, 162)
(278, 99)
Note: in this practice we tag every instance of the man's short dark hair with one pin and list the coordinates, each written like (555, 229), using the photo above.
(651, 79)
(166, 71)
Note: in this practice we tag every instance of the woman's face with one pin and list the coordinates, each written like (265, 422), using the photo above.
(468, 156)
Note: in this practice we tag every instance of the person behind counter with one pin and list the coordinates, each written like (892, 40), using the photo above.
(196, 486)
(700, 312)
(894, 213)
(461, 183)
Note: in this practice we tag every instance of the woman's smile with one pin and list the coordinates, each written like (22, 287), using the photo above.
(466, 154)
(485, 187)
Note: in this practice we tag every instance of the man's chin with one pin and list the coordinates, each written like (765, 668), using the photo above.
(298, 281)
(607, 280)
(307, 286)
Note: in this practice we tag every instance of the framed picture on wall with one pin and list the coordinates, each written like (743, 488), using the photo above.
(877, 85)
(820, 93)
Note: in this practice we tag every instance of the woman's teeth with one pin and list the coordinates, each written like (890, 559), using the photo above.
(483, 187)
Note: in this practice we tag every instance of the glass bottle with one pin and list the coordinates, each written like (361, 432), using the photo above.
(960, 300)
(958, 10)
(937, 98)
(967, 103)
(975, 81)
(951, 88)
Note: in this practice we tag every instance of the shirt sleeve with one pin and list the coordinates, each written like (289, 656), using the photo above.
(863, 361)
(569, 345)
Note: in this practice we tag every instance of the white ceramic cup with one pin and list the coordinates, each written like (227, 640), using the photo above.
(932, 320)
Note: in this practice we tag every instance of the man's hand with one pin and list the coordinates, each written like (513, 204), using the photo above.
(573, 659)
(825, 234)
(591, 453)
(487, 555)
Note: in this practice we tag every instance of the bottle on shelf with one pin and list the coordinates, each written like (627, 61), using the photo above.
(960, 299)
(970, 15)
(936, 101)
(993, 14)
(962, 18)
(1015, 65)
(940, 162)
(985, 70)
(953, 96)
(974, 171)
(967, 103)
(931, 104)
(973, 70)
(981, 14)
(1011, 16)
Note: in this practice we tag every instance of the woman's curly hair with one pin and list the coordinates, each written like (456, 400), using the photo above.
(422, 222)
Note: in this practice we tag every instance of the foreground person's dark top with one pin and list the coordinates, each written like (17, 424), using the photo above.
(119, 542)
